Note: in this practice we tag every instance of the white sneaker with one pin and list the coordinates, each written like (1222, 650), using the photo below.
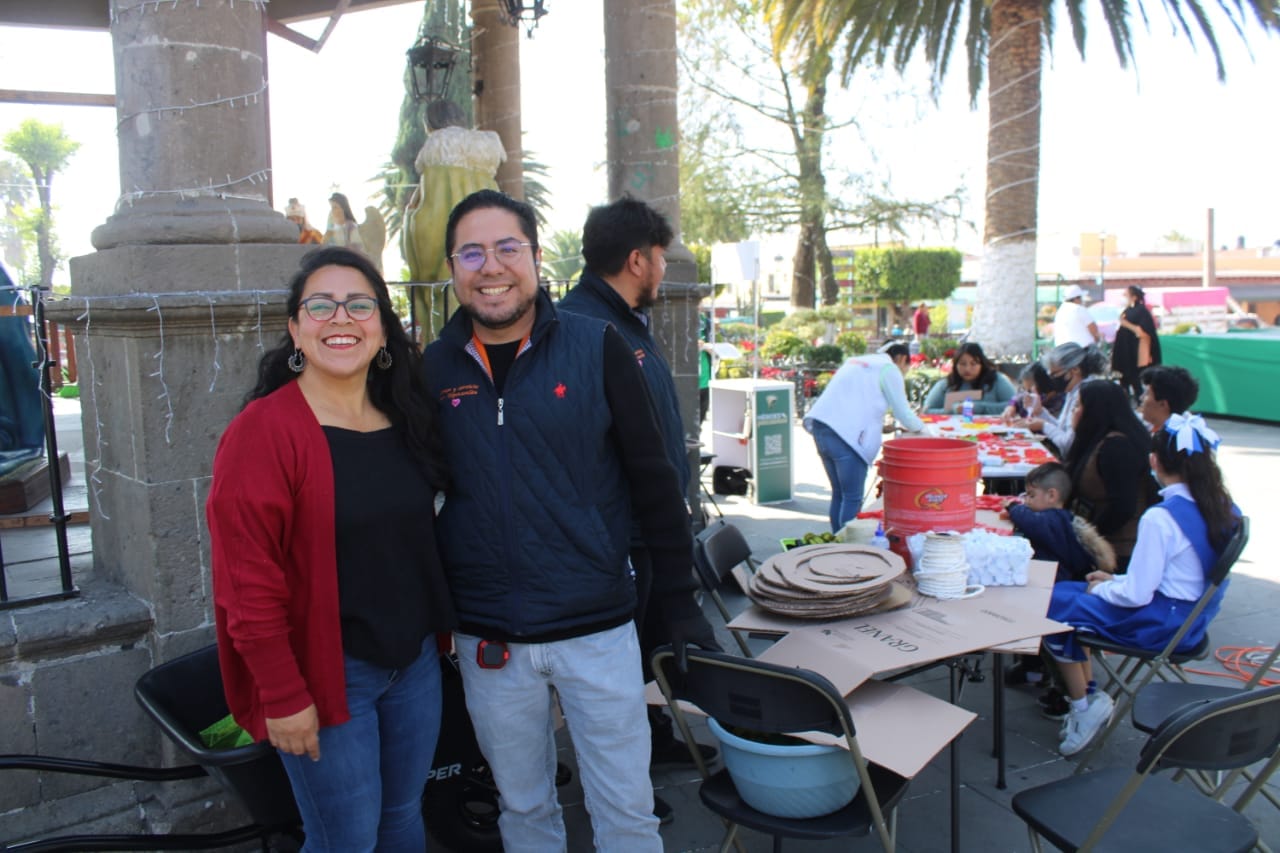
(1082, 726)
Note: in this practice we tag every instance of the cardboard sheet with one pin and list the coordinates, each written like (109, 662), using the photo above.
(855, 649)
(898, 727)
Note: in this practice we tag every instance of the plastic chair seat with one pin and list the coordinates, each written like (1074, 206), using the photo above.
(1198, 652)
(1161, 816)
(719, 794)
(1157, 701)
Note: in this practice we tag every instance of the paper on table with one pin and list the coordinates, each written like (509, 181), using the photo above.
(926, 630)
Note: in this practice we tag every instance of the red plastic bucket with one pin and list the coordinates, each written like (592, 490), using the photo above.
(930, 484)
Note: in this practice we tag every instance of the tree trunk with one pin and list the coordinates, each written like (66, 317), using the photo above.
(44, 236)
(830, 290)
(495, 53)
(812, 246)
(803, 267)
(1004, 318)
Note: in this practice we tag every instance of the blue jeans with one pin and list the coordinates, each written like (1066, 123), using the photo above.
(846, 470)
(597, 678)
(365, 792)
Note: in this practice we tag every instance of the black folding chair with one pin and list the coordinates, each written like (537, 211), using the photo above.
(1118, 810)
(717, 551)
(1157, 702)
(1137, 667)
(769, 698)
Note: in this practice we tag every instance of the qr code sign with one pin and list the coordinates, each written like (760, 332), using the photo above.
(773, 445)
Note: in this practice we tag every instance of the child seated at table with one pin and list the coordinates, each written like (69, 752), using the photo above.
(1035, 390)
(1055, 534)
(1053, 531)
(1179, 540)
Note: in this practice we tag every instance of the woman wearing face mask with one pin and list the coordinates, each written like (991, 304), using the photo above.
(1069, 366)
(1110, 477)
(971, 370)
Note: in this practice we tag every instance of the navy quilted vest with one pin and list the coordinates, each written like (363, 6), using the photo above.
(534, 530)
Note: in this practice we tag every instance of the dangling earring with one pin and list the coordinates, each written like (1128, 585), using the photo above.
(297, 361)
(383, 359)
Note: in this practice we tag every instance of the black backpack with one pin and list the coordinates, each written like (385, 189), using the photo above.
(728, 480)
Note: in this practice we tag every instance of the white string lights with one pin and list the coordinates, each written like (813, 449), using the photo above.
(186, 301)
(141, 119)
(209, 190)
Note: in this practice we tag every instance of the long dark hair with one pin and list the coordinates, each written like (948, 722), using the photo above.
(398, 392)
(1104, 409)
(986, 379)
(1203, 478)
(1139, 295)
(346, 208)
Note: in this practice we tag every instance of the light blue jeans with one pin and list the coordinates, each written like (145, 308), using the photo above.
(597, 678)
(365, 792)
(847, 472)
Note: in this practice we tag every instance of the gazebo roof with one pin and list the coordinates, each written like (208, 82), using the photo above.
(93, 14)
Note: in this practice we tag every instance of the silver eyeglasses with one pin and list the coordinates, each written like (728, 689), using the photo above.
(508, 252)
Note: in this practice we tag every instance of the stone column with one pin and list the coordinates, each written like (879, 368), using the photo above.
(185, 291)
(495, 52)
(644, 161)
(191, 109)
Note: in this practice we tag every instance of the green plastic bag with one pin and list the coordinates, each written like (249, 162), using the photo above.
(225, 734)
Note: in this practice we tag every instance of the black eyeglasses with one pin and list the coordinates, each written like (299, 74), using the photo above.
(322, 308)
(508, 252)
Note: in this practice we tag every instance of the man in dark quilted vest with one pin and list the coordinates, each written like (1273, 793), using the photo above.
(554, 450)
(624, 245)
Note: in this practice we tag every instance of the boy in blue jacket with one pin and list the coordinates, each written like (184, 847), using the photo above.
(1053, 531)
(1055, 534)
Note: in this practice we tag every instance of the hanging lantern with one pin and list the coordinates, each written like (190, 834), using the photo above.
(515, 11)
(431, 62)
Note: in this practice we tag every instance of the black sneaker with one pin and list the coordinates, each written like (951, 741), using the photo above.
(662, 811)
(1024, 674)
(676, 752)
(1053, 704)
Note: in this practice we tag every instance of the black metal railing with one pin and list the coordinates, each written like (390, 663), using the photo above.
(58, 517)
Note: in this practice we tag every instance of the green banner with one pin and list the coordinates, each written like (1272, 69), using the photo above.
(773, 445)
(1234, 371)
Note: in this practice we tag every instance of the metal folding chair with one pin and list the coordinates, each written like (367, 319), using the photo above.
(769, 698)
(717, 551)
(1157, 702)
(1118, 810)
(1137, 667)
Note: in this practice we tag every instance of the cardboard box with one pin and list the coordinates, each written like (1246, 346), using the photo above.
(899, 727)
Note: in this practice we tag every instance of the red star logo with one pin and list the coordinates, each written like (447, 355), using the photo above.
(560, 390)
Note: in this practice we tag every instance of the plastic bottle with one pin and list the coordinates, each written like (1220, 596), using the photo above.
(966, 410)
(879, 540)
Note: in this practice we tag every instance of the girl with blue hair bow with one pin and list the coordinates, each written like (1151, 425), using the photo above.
(1179, 540)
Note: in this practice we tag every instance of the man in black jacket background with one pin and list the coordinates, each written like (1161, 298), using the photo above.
(624, 245)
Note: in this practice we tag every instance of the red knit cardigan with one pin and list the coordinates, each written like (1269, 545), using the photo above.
(275, 574)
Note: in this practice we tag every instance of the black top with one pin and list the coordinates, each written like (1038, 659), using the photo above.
(391, 587)
(501, 357)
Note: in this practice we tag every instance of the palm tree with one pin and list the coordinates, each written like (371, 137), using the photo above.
(1008, 37)
(562, 256)
(45, 148)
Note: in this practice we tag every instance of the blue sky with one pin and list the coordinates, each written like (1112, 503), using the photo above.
(1135, 153)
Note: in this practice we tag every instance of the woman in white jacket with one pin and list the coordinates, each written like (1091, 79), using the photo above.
(847, 421)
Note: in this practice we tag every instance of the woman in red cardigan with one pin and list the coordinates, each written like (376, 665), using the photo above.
(328, 590)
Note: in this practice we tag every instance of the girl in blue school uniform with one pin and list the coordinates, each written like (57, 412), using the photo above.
(1178, 542)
